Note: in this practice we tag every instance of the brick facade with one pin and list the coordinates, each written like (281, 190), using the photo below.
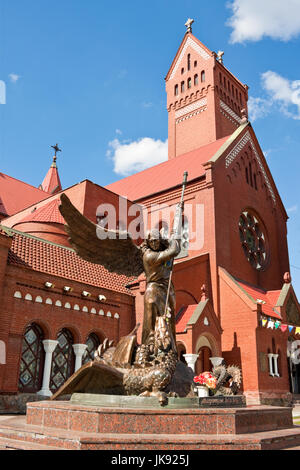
(222, 297)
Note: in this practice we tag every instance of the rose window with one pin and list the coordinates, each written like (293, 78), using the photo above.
(253, 239)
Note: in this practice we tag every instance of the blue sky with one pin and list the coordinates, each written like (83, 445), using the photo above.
(90, 76)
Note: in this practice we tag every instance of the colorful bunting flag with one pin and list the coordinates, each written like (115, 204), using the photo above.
(278, 325)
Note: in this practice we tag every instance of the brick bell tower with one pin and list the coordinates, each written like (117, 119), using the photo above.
(205, 101)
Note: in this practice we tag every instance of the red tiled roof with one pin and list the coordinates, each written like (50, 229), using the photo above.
(47, 213)
(184, 317)
(16, 195)
(269, 297)
(51, 183)
(56, 260)
(167, 174)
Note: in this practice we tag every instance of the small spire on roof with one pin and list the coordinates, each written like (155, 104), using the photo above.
(220, 56)
(51, 183)
(203, 293)
(244, 116)
(188, 25)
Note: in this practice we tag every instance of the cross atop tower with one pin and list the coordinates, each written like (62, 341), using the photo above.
(56, 149)
(188, 25)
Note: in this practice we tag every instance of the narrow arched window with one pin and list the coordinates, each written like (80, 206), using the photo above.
(195, 63)
(189, 83)
(32, 359)
(220, 78)
(189, 62)
(255, 181)
(176, 90)
(279, 363)
(196, 81)
(203, 76)
(92, 343)
(62, 360)
(182, 87)
(250, 174)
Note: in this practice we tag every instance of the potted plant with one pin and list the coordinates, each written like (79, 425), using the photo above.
(205, 382)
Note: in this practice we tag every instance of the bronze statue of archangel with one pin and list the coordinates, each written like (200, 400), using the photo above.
(151, 365)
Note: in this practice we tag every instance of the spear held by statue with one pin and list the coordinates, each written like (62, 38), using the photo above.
(176, 232)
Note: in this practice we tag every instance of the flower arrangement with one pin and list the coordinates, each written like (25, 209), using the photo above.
(207, 379)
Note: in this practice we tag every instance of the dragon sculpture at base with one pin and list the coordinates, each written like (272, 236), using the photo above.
(227, 374)
(150, 367)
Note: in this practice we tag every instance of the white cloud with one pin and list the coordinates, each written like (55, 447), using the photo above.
(258, 107)
(119, 132)
(14, 77)
(147, 104)
(283, 91)
(254, 19)
(293, 209)
(130, 157)
(267, 152)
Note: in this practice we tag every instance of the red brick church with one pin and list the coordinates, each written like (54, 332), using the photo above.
(233, 290)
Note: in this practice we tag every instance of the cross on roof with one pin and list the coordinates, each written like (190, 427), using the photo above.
(188, 25)
(56, 149)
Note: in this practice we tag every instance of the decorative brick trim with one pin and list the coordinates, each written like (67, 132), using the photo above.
(191, 110)
(229, 111)
(236, 150)
(196, 47)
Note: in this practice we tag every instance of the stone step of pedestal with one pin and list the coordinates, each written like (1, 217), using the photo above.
(16, 434)
(292, 448)
(75, 417)
(17, 444)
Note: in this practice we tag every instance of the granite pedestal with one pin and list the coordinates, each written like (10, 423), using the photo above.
(71, 425)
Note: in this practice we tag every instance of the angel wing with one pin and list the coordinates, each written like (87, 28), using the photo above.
(118, 255)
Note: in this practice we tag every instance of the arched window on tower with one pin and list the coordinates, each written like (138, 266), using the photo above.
(189, 61)
(189, 82)
(32, 359)
(63, 360)
(196, 81)
(182, 87)
(176, 90)
(203, 76)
